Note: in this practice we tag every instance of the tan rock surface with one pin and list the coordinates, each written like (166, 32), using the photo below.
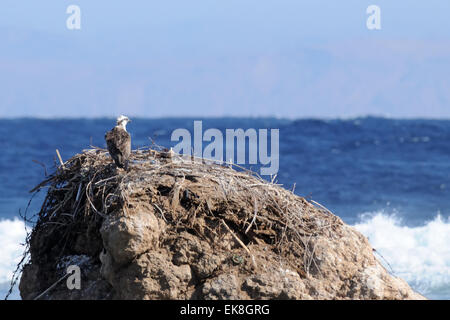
(169, 229)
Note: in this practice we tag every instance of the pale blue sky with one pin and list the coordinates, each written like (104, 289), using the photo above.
(225, 58)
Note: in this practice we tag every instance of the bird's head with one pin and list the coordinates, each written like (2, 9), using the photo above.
(122, 121)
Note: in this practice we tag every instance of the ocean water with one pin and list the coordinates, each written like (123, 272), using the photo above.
(389, 178)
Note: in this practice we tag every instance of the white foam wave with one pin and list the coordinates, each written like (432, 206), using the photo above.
(12, 234)
(420, 255)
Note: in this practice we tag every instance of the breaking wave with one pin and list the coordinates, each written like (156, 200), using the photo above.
(420, 255)
(12, 235)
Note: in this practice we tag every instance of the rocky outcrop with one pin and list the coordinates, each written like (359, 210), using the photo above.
(172, 228)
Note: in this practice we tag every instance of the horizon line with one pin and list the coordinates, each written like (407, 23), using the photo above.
(281, 118)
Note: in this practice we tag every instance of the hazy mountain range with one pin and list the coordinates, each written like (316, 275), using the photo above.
(204, 66)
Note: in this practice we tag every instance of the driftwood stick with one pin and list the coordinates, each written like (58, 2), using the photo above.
(60, 159)
(52, 286)
(323, 207)
(235, 237)
(160, 211)
(255, 213)
(240, 242)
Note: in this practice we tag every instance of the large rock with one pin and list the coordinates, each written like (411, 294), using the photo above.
(182, 230)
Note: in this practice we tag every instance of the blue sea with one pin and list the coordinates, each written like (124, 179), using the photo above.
(389, 178)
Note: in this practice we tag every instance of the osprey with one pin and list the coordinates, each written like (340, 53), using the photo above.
(118, 141)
